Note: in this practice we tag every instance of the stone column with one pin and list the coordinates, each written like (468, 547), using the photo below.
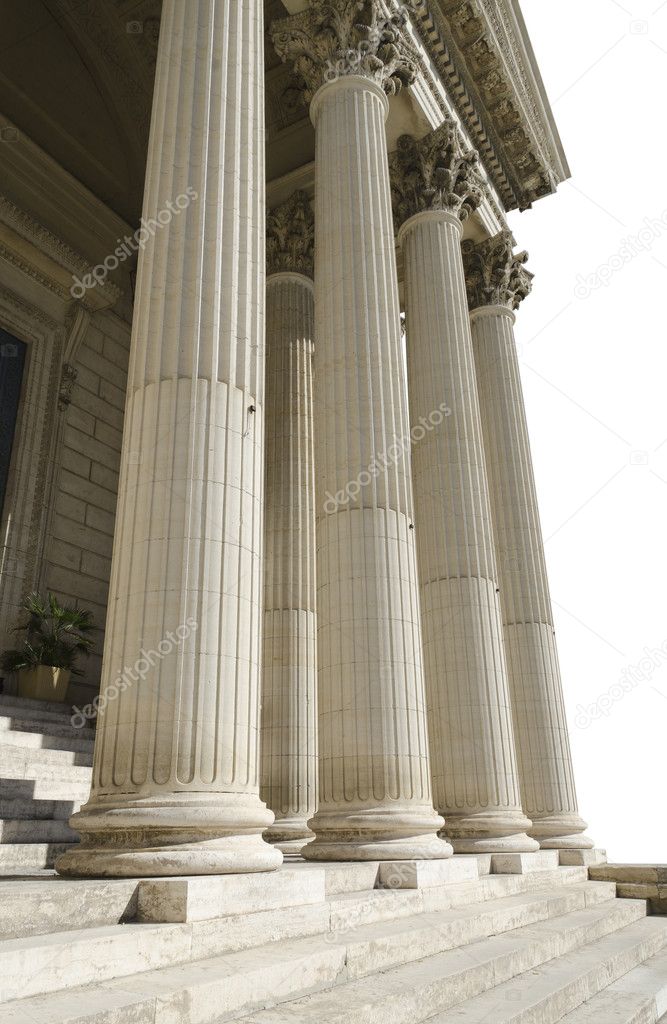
(288, 773)
(436, 185)
(497, 282)
(175, 779)
(375, 797)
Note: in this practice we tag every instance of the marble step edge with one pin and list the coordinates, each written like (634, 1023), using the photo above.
(57, 789)
(36, 830)
(561, 988)
(27, 707)
(57, 904)
(61, 961)
(639, 997)
(26, 809)
(233, 986)
(29, 759)
(427, 992)
(10, 722)
(41, 736)
(14, 857)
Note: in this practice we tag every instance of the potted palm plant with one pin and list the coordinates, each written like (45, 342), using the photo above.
(55, 635)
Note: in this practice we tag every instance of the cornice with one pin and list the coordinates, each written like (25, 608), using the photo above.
(482, 52)
(47, 259)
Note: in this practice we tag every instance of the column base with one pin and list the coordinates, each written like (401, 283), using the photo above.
(182, 834)
(289, 835)
(490, 832)
(380, 834)
(561, 832)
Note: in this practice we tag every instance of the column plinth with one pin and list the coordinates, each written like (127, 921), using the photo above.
(288, 767)
(475, 779)
(375, 797)
(496, 282)
(175, 783)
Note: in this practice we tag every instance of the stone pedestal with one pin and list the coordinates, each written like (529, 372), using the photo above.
(375, 796)
(474, 769)
(288, 772)
(175, 782)
(498, 281)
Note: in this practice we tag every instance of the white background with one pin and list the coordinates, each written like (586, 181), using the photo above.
(595, 375)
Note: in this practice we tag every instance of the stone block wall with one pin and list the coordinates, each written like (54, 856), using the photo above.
(78, 554)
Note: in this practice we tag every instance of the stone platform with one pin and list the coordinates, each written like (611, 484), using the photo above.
(330, 943)
(637, 881)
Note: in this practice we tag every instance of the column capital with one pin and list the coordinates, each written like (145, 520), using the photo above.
(333, 39)
(290, 232)
(435, 173)
(495, 275)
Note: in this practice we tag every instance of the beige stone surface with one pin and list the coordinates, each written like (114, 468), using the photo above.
(175, 784)
(472, 747)
(288, 750)
(497, 281)
(375, 794)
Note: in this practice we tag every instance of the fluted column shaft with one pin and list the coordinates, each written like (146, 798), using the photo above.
(175, 779)
(288, 776)
(472, 746)
(375, 795)
(543, 749)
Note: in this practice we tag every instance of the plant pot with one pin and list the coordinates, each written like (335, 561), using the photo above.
(44, 683)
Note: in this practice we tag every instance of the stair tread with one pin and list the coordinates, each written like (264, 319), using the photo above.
(526, 991)
(375, 930)
(283, 964)
(641, 989)
(335, 1005)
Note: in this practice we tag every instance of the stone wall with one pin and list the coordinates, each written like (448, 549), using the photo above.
(78, 554)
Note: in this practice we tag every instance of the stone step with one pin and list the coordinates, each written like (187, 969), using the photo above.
(22, 763)
(545, 995)
(33, 736)
(59, 789)
(54, 904)
(28, 745)
(37, 810)
(50, 726)
(27, 708)
(15, 858)
(418, 991)
(48, 964)
(57, 904)
(39, 830)
(639, 997)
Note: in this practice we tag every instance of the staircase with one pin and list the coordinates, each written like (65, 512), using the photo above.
(325, 944)
(45, 770)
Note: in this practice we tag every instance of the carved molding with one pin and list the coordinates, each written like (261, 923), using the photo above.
(26, 506)
(64, 265)
(495, 275)
(482, 53)
(68, 377)
(335, 38)
(290, 233)
(435, 173)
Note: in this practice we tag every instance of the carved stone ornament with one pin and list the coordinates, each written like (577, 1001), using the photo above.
(68, 376)
(496, 276)
(335, 38)
(435, 173)
(290, 231)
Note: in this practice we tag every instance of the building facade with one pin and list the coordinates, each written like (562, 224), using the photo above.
(262, 414)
